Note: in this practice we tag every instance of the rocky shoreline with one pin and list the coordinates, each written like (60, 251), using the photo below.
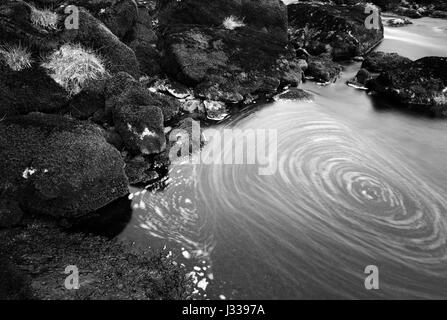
(87, 111)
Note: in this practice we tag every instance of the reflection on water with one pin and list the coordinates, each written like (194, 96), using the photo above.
(355, 186)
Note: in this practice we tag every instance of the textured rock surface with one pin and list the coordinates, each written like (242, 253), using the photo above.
(10, 212)
(323, 69)
(267, 16)
(227, 65)
(339, 30)
(92, 33)
(123, 90)
(57, 166)
(420, 85)
(141, 128)
(29, 90)
(16, 28)
(381, 61)
(37, 254)
(225, 62)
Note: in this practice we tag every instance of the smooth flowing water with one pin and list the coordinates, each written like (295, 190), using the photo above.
(356, 184)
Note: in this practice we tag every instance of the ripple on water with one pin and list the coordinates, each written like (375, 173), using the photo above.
(335, 197)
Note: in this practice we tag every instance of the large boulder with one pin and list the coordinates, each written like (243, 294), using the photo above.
(28, 90)
(92, 33)
(267, 16)
(120, 16)
(420, 85)
(228, 65)
(227, 49)
(339, 30)
(58, 166)
(380, 61)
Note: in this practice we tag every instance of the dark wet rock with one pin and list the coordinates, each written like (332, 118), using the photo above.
(90, 100)
(168, 105)
(420, 8)
(222, 60)
(408, 12)
(57, 166)
(381, 61)
(326, 28)
(386, 4)
(420, 85)
(144, 40)
(363, 76)
(144, 29)
(295, 94)
(14, 284)
(323, 69)
(10, 212)
(114, 138)
(227, 65)
(120, 16)
(16, 28)
(141, 128)
(124, 90)
(140, 171)
(39, 253)
(360, 80)
(149, 59)
(108, 221)
(119, 83)
(266, 16)
(29, 90)
(92, 33)
(439, 14)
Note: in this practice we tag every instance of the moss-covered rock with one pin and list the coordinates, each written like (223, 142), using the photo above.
(228, 65)
(420, 85)
(266, 16)
(29, 90)
(123, 90)
(57, 166)
(335, 29)
(39, 253)
(323, 69)
(380, 61)
(141, 128)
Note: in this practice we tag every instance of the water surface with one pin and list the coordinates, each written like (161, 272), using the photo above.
(357, 184)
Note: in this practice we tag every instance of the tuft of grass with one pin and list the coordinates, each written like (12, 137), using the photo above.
(44, 18)
(232, 22)
(73, 66)
(16, 57)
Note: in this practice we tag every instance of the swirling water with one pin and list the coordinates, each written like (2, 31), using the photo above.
(356, 185)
